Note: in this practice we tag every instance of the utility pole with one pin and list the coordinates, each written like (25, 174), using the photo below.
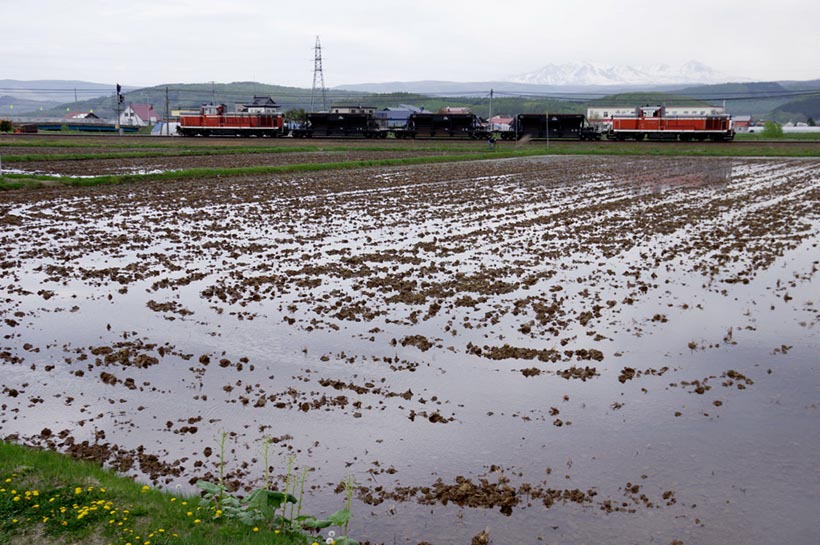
(318, 75)
(548, 130)
(213, 93)
(119, 102)
(75, 96)
(491, 110)
(167, 118)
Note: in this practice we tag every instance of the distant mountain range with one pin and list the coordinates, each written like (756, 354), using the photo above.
(783, 100)
(582, 77)
(588, 73)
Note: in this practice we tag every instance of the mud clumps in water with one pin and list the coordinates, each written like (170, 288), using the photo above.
(513, 352)
(419, 341)
(627, 373)
(579, 373)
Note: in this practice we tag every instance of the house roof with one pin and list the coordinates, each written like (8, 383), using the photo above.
(80, 115)
(145, 111)
(262, 101)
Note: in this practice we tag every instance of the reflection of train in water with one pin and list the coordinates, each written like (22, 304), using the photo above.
(263, 118)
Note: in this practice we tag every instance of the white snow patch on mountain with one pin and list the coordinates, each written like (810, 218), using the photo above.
(589, 73)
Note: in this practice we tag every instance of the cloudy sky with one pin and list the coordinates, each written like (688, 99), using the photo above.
(147, 42)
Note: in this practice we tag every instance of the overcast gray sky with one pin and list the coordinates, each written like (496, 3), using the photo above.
(146, 42)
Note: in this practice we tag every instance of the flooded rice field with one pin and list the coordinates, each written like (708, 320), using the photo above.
(564, 350)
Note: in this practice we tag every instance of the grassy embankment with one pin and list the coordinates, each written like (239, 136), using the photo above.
(46, 498)
(788, 137)
(17, 181)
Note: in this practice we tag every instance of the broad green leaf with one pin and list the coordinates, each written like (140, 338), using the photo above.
(316, 524)
(344, 540)
(339, 518)
(208, 487)
(262, 499)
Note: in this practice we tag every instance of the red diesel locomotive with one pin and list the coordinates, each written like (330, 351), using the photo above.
(653, 122)
(257, 119)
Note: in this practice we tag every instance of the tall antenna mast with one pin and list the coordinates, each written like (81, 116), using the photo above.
(318, 76)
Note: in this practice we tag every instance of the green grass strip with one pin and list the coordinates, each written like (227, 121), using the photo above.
(194, 152)
(34, 477)
(706, 150)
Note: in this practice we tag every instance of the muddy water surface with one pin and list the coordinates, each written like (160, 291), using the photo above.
(574, 349)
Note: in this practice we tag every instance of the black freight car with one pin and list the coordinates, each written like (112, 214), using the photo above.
(340, 125)
(429, 125)
(551, 126)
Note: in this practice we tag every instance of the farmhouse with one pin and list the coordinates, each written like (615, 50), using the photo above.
(141, 115)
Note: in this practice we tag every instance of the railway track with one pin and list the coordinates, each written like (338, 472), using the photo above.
(233, 139)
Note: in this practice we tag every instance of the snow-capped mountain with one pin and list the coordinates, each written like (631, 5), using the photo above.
(589, 73)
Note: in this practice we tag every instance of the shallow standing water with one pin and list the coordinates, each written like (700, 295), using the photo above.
(566, 329)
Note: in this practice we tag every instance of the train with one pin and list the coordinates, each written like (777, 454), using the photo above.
(215, 120)
(654, 123)
(339, 125)
(443, 125)
(419, 125)
(262, 118)
(551, 127)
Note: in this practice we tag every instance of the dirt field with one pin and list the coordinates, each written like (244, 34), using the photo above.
(548, 346)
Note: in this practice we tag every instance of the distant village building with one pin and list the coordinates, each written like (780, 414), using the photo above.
(140, 115)
(78, 116)
(342, 109)
(455, 110)
(741, 123)
(259, 105)
(500, 123)
(396, 116)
